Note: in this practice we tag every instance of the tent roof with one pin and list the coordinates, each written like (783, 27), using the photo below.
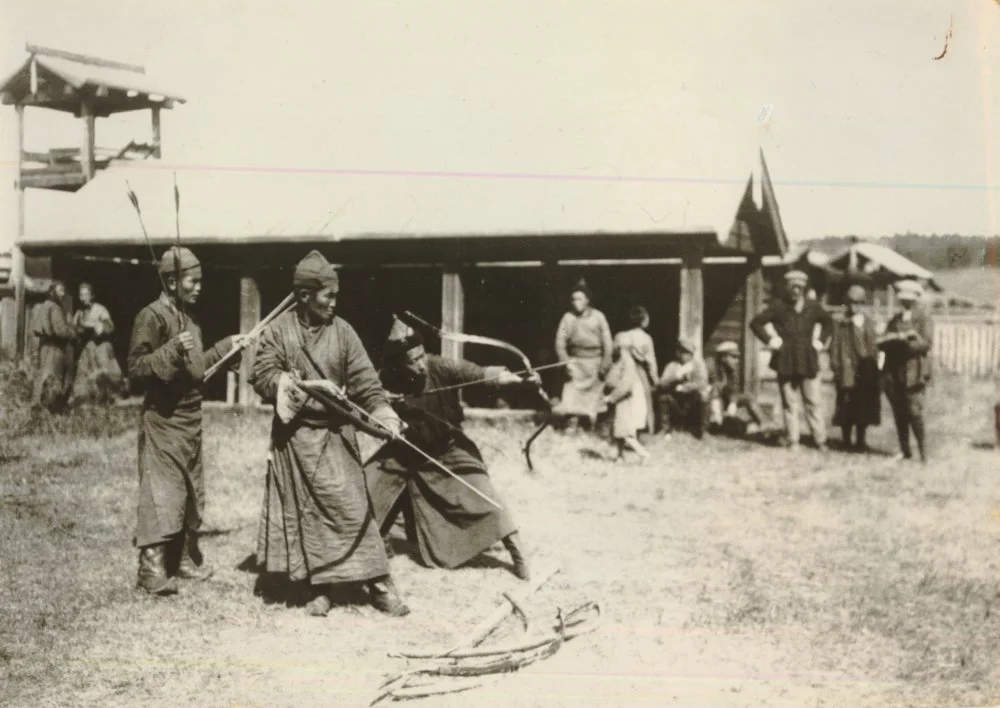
(246, 206)
(879, 261)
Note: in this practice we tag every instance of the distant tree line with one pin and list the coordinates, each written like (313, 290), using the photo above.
(934, 252)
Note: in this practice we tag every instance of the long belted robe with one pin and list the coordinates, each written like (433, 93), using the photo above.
(171, 478)
(586, 339)
(316, 519)
(98, 375)
(55, 353)
(450, 524)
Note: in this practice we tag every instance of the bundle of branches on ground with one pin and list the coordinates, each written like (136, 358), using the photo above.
(468, 665)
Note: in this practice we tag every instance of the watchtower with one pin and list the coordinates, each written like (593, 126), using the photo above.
(89, 88)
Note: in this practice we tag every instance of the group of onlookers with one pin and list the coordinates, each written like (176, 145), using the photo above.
(619, 376)
(76, 359)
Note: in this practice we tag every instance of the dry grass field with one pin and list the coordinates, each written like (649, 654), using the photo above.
(731, 573)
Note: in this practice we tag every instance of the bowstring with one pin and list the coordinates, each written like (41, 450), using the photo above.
(486, 379)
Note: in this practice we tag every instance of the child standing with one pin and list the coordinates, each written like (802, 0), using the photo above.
(624, 391)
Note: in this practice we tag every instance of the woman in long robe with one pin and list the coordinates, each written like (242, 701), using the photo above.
(55, 350)
(854, 360)
(317, 523)
(98, 375)
(584, 340)
(639, 345)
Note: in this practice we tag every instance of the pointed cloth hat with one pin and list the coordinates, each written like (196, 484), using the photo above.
(402, 338)
(178, 258)
(314, 272)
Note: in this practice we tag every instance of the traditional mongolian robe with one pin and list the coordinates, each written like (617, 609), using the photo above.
(316, 521)
(626, 393)
(587, 339)
(639, 344)
(55, 354)
(450, 524)
(854, 360)
(98, 375)
(171, 481)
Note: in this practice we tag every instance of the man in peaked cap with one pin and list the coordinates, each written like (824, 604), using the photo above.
(317, 523)
(683, 391)
(796, 330)
(725, 398)
(907, 343)
(450, 524)
(167, 360)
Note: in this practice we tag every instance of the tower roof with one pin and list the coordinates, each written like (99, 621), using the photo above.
(59, 80)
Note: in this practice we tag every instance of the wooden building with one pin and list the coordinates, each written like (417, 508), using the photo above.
(490, 256)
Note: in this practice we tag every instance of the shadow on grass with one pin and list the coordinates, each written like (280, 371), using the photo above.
(277, 589)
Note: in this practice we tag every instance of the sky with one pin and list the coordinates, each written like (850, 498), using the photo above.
(864, 131)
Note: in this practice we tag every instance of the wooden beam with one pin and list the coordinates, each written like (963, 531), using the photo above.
(249, 318)
(82, 58)
(452, 311)
(87, 149)
(157, 149)
(17, 256)
(692, 301)
(753, 302)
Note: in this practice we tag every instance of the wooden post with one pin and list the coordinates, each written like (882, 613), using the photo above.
(17, 255)
(249, 318)
(753, 297)
(157, 149)
(87, 149)
(452, 310)
(692, 300)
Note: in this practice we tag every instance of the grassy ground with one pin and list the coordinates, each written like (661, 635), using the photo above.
(732, 574)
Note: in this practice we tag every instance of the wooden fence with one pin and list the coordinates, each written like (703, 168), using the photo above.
(969, 348)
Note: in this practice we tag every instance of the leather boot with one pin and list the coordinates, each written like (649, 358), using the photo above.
(513, 545)
(153, 573)
(320, 604)
(192, 564)
(384, 598)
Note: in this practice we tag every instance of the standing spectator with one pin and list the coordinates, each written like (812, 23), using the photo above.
(98, 375)
(639, 344)
(794, 330)
(683, 392)
(585, 338)
(625, 392)
(854, 360)
(907, 371)
(725, 400)
(55, 350)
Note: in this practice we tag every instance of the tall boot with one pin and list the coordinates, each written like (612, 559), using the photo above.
(918, 432)
(386, 599)
(320, 604)
(192, 565)
(862, 441)
(512, 543)
(153, 573)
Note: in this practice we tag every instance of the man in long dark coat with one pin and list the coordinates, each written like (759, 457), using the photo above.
(450, 523)
(854, 360)
(907, 370)
(795, 330)
(167, 360)
(55, 349)
(317, 523)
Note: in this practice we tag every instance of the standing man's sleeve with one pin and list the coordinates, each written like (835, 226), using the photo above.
(361, 381)
(268, 365)
(760, 322)
(562, 336)
(606, 345)
(148, 356)
(921, 344)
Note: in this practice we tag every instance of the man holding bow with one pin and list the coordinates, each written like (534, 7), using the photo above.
(317, 523)
(449, 521)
